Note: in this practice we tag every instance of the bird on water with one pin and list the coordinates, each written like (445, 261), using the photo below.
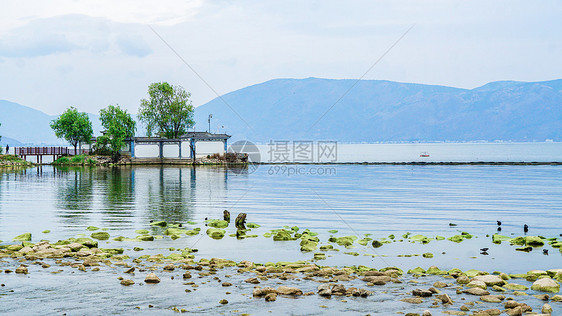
(525, 228)
(499, 223)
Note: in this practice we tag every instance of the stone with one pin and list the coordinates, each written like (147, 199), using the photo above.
(271, 297)
(426, 313)
(152, 278)
(287, 290)
(516, 311)
(23, 237)
(22, 269)
(477, 284)
(325, 290)
(252, 280)
(187, 275)
(223, 302)
(169, 267)
(488, 312)
(412, 300)
(282, 235)
(131, 270)
(440, 284)
(216, 233)
(422, 293)
(445, 298)
(476, 291)
(546, 285)
(534, 241)
(498, 288)
(463, 279)
(100, 235)
(546, 309)
(542, 297)
(490, 280)
(377, 280)
(515, 286)
(127, 282)
(557, 298)
(226, 284)
(258, 291)
(492, 298)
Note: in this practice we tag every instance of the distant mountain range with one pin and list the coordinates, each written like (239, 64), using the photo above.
(22, 125)
(386, 111)
(353, 111)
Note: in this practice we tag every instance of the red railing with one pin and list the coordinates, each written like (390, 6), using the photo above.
(57, 151)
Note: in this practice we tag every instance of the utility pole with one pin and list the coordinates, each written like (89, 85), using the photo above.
(210, 117)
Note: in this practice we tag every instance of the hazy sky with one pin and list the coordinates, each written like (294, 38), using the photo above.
(89, 54)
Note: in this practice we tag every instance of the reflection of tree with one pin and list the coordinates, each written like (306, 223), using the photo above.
(169, 201)
(118, 195)
(74, 192)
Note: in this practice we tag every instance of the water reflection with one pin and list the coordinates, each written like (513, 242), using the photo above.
(117, 197)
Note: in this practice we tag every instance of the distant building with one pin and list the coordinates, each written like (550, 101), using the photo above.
(188, 146)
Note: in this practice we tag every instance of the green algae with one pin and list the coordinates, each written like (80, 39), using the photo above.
(216, 233)
(217, 223)
(23, 237)
(92, 228)
(159, 223)
(100, 235)
(142, 231)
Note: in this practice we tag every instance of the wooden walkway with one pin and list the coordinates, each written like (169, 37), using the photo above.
(39, 152)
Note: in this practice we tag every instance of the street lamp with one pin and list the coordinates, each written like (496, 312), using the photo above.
(210, 117)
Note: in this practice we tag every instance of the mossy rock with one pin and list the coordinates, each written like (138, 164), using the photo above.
(428, 255)
(282, 235)
(326, 247)
(343, 241)
(520, 241)
(439, 238)
(174, 231)
(14, 247)
(217, 223)
(376, 244)
(46, 231)
(319, 256)
(417, 270)
(92, 228)
(435, 271)
(473, 272)
(333, 231)
(456, 238)
(100, 235)
(142, 231)
(112, 251)
(421, 238)
(497, 238)
(86, 242)
(308, 245)
(145, 238)
(192, 232)
(23, 237)
(252, 225)
(534, 241)
(516, 287)
(159, 223)
(216, 233)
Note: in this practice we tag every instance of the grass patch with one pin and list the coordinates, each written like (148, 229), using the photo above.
(75, 160)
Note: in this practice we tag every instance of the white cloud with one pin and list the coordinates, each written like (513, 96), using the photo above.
(168, 12)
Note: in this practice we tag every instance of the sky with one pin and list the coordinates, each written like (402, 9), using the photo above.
(89, 54)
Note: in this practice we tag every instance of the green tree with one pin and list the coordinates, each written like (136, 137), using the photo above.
(168, 112)
(119, 125)
(73, 126)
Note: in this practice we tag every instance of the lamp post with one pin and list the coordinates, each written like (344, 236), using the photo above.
(210, 117)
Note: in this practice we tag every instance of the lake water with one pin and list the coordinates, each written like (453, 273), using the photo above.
(353, 199)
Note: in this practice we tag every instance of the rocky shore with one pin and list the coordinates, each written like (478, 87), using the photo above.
(13, 161)
(416, 291)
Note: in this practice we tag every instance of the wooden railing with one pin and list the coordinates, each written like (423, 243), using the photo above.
(54, 151)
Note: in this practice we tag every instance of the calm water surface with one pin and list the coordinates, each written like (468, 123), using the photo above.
(353, 199)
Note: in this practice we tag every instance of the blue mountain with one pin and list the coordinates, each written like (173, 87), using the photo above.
(22, 125)
(386, 111)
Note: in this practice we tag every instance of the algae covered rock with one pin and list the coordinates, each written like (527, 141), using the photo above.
(515, 286)
(100, 235)
(520, 241)
(308, 245)
(345, 241)
(23, 237)
(282, 235)
(435, 270)
(376, 244)
(534, 241)
(216, 233)
(217, 223)
(152, 278)
(490, 280)
(546, 285)
(456, 238)
(421, 238)
(92, 228)
(417, 270)
(497, 238)
(427, 255)
(159, 224)
(145, 238)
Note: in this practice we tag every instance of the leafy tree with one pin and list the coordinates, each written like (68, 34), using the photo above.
(168, 112)
(119, 125)
(73, 126)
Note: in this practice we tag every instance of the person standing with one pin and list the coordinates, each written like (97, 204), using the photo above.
(7, 149)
